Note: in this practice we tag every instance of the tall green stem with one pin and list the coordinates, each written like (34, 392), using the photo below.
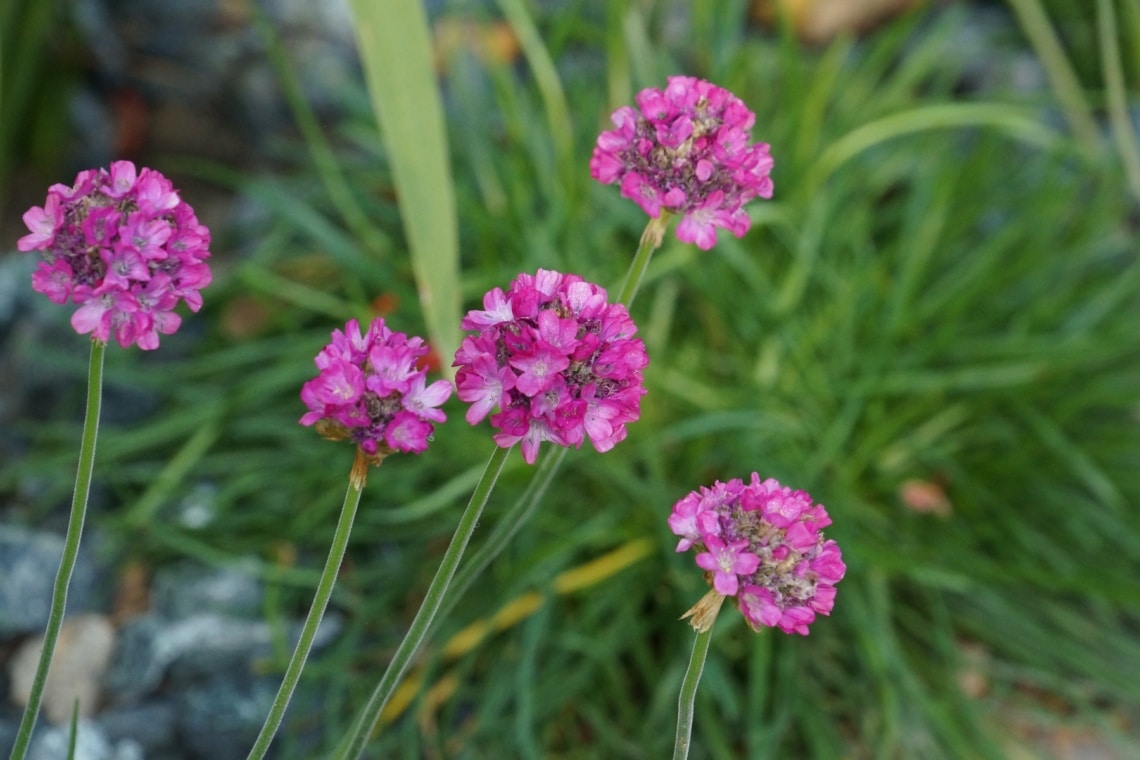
(353, 745)
(506, 527)
(688, 696)
(325, 585)
(70, 547)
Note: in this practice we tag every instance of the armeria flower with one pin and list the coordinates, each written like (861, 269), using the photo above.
(762, 544)
(686, 150)
(557, 359)
(371, 391)
(122, 245)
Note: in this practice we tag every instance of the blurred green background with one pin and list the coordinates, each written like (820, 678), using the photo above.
(932, 328)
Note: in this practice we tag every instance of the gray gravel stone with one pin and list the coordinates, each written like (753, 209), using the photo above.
(91, 743)
(29, 560)
(187, 590)
(219, 718)
(152, 725)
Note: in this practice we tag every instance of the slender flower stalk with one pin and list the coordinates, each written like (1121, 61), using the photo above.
(370, 391)
(70, 547)
(356, 481)
(688, 698)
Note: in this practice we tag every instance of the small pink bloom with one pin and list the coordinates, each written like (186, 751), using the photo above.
(483, 387)
(122, 179)
(727, 561)
(683, 521)
(43, 223)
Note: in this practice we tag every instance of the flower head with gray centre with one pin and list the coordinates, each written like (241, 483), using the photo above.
(761, 543)
(686, 150)
(122, 244)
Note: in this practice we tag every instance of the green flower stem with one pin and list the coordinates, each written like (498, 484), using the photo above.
(70, 547)
(317, 611)
(689, 694)
(353, 745)
(650, 242)
(506, 527)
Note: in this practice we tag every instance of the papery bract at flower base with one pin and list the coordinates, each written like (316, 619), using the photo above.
(762, 544)
(124, 246)
(559, 361)
(686, 150)
(371, 391)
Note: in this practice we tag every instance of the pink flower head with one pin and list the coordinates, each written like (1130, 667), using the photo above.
(762, 543)
(686, 150)
(559, 361)
(369, 390)
(122, 245)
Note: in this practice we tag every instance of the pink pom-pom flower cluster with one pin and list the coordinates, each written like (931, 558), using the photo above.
(761, 543)
(371, 391)
(557, 359)
(687, 150)
(122, 245)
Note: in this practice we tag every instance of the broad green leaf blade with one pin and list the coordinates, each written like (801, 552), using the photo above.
(395, 51)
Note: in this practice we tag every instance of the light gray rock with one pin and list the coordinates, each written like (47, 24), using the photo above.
(185, 651)
(219, 718)
(152, 725)
(82, 653)
(187, 590)
(91, 743)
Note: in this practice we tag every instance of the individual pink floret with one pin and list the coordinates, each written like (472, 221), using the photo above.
(686, 150)
(762, 543)
(370, 390)
(559, 361)
(124, 246)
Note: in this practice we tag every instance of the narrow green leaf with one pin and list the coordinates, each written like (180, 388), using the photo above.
(395, 51)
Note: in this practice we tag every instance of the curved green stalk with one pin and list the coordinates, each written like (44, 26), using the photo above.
(688, 696)
(506, 527)
(353, 745)
(316, 611)
(70, 547)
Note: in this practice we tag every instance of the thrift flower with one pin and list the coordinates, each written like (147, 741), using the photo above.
(370, 391)
(762, 544)
(557, 359)
(686, 151)
(122, 245)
